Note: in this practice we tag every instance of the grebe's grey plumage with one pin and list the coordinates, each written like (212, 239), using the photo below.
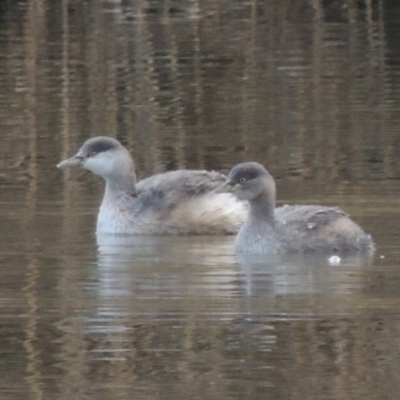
(177, 202)
(289, 229)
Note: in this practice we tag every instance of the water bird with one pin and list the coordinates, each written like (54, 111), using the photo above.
(175, 202)
(289, 229)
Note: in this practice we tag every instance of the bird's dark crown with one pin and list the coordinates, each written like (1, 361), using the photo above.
(247, 170)
(100, 144)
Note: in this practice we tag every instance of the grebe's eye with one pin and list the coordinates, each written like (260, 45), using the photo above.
(242, 180)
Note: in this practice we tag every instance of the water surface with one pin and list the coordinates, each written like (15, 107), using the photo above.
(309, 89)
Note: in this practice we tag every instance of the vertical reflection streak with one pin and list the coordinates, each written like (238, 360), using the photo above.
(34, 376)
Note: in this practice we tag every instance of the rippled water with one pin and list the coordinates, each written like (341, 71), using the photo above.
(310, 89)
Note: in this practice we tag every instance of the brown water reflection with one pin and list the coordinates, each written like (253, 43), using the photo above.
(179, 317)
(310, 89)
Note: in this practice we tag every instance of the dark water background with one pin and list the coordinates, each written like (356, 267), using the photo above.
(309, 88)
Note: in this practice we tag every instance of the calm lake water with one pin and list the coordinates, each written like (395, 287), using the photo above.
(310, 89)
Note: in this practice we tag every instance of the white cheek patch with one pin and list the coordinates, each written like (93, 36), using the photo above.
(101, 164)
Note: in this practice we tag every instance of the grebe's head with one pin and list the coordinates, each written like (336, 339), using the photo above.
(102, 155)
